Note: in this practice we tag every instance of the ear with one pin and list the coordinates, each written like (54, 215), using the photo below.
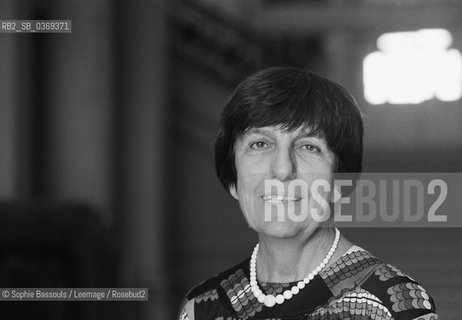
(233, 191)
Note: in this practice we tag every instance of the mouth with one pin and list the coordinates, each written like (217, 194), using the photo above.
(275, 198)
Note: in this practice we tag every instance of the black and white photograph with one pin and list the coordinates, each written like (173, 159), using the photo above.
(231, 159)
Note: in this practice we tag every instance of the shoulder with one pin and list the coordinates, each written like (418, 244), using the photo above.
(211, 285)
(404, 297)
(211, 296)
(364, 279)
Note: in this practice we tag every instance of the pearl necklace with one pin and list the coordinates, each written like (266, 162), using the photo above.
(270, 300)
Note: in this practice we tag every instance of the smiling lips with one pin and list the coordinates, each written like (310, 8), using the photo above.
(275, 198)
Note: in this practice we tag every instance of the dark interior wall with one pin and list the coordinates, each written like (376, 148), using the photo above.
(8, 116)
(57, 104)
(79, 97)
(82, 122)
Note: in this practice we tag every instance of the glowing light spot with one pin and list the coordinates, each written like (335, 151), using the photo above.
(412, 67)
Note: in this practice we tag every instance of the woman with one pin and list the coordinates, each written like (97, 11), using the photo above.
(284, 125)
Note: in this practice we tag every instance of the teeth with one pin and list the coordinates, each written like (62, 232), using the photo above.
(273, 197)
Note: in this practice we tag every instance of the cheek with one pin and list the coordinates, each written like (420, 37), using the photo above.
(248, 183)
(248, 187)
(250, 173)
(315, 164)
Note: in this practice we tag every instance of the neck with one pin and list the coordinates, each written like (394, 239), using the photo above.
(292, 259)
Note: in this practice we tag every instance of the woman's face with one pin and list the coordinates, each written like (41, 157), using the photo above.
(275, 171)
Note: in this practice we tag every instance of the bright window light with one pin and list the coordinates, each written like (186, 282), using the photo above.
(412, 67)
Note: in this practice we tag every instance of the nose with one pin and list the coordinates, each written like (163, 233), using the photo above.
(283, 165)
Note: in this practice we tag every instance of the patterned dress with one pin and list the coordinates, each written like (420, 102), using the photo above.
(356, 286)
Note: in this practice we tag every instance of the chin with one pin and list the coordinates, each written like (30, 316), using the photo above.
(279, 229)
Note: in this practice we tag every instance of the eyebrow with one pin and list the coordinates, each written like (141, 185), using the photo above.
(303, 134)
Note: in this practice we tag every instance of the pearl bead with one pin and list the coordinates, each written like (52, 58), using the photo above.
(279, 299)
(270, 301)
(288, 294)
(295, 290)
(261, 298)
(301, 284)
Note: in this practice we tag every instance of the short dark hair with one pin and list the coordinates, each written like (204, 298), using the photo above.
(291, 98)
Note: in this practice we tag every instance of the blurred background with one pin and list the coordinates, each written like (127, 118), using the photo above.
(107, 136)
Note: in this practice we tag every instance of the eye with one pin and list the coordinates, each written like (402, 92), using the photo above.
(259, 145)
(310, 148)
